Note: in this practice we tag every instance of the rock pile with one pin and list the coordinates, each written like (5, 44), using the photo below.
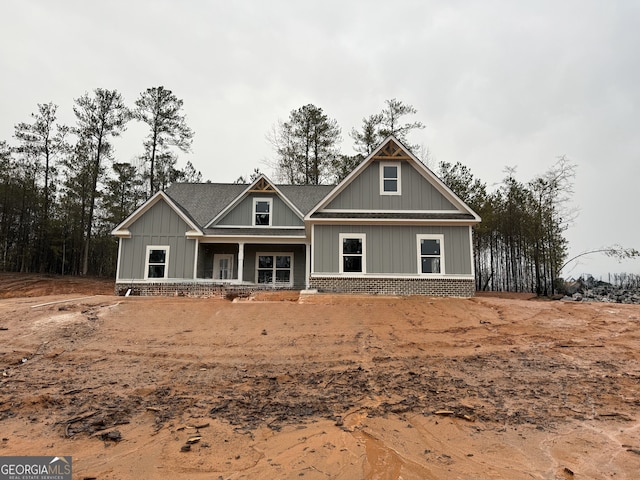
(585, 291)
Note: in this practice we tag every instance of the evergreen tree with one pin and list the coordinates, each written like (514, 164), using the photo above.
(123, 193)
(306, 146)
(43, 142)
(190, 174)
(389, 121)
(99, 117)
(161, 110)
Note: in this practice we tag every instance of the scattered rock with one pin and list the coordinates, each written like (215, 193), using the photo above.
(113, 436)
(597, 291)
(185, 448)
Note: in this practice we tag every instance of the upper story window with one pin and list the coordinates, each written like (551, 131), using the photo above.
(157, 262)
(262, 212)
(390, 179)
(353, 253)
(430, 254)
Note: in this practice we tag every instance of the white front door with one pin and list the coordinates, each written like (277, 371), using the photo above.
(223, 266)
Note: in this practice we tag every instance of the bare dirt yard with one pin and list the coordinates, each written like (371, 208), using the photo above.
(318, 386)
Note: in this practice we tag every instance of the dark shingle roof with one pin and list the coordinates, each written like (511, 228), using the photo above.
(243, 232)
(305, 197)
(401, 216)
(204, 201)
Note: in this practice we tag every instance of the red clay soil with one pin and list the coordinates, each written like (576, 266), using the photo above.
(14, 285)
(319, 386)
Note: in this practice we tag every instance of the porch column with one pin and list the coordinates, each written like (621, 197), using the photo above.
(240, 261)
(308, 266)
(195, 259)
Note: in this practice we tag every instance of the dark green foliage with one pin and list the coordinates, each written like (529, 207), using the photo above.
(520, 244)
(306, 146)
(379, 126)
(161, 110)
(40, 144)
(99, 117)
(343, 165)
(56, 197)
(61, 195)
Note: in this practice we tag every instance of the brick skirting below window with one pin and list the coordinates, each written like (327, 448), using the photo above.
(437, 287)
(188, 289)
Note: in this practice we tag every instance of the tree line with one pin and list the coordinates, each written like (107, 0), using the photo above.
(519, 246)
(307, 144)
(61, 192)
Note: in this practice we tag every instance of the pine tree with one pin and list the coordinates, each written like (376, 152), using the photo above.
(161, 110)
(99, 118)
(306, 146)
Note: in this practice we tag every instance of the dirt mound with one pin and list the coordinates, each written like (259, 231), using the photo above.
(14, 285)
(324, 386)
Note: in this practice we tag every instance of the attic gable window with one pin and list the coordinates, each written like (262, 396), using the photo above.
(262, 209)
(390, 179)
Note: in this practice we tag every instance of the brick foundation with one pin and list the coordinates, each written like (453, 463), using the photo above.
(436, 287)
(188, 289)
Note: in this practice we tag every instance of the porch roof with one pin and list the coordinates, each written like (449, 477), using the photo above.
(393, 215)
(255, 232)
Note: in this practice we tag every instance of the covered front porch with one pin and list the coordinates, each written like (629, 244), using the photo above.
(268, 265)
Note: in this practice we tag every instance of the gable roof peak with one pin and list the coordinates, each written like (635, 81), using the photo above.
(122, 230)
(262, 184)
(392, 149)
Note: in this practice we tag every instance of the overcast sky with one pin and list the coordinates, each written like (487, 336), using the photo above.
(497, 83)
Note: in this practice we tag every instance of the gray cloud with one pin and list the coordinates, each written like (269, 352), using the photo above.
(498, 83)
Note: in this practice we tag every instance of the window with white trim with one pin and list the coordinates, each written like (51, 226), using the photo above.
(353, 251)
(274, 269)
(262, 209)
(157, 261)
(430, 254)
(390, 180)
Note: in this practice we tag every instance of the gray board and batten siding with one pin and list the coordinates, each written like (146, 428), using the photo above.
(241, 214)
(160, 226)
(363, 193)
(392, 249)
